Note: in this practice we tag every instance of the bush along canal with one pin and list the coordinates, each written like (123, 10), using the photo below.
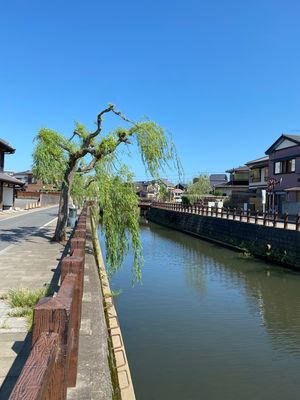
(208, 322)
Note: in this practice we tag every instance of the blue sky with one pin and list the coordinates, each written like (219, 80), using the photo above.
(221, 76)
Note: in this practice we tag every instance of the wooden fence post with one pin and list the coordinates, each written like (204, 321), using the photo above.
(275, 219)
(256, 217)
(248, 215)
(55, 314)
(36, 375)
(234, 212)
(286, 220)
(74, 265)
(241, 214)
(298, 222)
(264, 218)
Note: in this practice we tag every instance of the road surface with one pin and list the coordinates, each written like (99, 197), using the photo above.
(16, 228)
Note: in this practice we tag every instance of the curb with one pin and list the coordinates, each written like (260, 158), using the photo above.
(114, 330)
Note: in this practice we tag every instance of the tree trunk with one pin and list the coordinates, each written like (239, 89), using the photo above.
(63, 211)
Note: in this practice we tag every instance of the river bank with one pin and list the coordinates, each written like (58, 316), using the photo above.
(273, 244)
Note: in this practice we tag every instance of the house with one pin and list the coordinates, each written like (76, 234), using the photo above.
(177, 195)
(217, 179)
(31, 184)
(238, 182)
(168, 185)
(141, 188)
(182, 186)
(8, 183)
(258, 180)
(147, 189)
(283, 191)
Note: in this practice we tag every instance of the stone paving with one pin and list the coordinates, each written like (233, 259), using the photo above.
(32, 263)
(93, 377)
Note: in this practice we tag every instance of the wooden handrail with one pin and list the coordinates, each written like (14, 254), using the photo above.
(52, 363)
(37, 373)
(266, 219)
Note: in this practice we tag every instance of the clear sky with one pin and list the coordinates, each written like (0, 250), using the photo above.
(221, 75)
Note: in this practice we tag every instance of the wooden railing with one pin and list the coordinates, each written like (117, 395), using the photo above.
(266, 219)
(52, 363)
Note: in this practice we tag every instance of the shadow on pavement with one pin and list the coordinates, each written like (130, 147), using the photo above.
(23, 350)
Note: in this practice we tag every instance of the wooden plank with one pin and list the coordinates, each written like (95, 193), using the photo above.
(34, 380)
(77, 243)
(55, 314)
(80, 233)
(74, 265)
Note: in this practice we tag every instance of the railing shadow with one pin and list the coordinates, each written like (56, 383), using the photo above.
(23, 350)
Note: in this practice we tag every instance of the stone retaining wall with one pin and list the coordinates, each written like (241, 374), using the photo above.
(275, 244)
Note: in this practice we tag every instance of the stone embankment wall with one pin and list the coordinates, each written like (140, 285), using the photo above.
(275, 244)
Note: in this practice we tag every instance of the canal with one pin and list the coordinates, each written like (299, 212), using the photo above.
(209, 323)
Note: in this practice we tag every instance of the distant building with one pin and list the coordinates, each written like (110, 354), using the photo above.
(182, 186)
(8, 183)
(284, 174)
(217, 179)
(258, 180)
(177, 195)
(168, 185)
(31, 184)
(238, 182)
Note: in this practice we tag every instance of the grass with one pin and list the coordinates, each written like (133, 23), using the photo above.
(22, 301)
(23, 298)
(115, 293)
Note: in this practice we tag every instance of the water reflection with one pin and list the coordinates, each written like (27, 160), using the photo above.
(271, 291)
(209, 323)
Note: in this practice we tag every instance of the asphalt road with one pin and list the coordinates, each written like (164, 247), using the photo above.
(15, 229)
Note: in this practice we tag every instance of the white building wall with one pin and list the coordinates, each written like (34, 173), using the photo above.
(8, 197)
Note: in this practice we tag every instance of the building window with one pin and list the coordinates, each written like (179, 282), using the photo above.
(266, 169)
(278, 167)
(256, 175)
(298, 197)
(291, 165)
(285, 166)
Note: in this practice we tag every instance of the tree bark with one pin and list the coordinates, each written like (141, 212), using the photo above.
(63, 211)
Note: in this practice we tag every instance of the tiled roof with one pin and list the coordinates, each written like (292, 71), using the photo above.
(6, 147)
(258, 160)
(244, 168)
(9, 179)
(293, 138)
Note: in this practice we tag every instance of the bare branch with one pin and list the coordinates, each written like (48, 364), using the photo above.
(66, 148)
(99, 122)
(119, 114)
(89, 182)
(74, 134)
(110, 108)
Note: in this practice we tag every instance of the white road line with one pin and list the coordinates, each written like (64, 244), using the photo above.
(26, 213)
(6, 248)
(48, 223)
(32, 233)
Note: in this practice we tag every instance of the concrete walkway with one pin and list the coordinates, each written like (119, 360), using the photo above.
(32, 263)
(93, 377)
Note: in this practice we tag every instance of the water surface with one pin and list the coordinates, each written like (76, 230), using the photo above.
(208, 323)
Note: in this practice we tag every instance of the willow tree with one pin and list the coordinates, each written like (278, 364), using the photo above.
(87, 163)
(200, 186)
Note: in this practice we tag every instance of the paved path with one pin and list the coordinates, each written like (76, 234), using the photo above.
(93, 377)
(29, 259)
(16, 227)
